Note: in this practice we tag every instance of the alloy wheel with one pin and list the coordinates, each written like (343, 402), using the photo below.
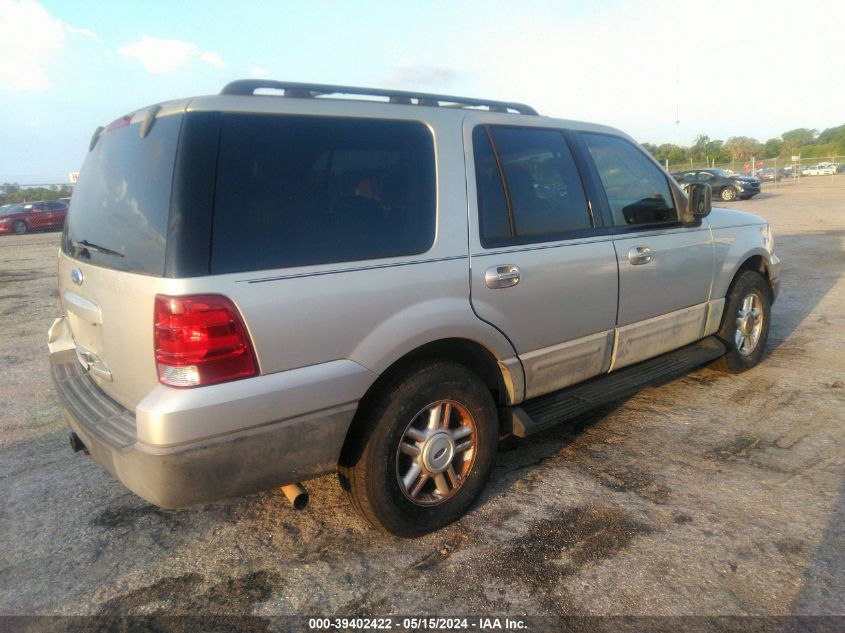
(436, 452)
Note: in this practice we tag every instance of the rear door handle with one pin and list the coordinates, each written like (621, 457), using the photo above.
(502, 276)
(640, 255)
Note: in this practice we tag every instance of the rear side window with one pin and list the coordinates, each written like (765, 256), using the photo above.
(637, 190)
(529, 189)
(121, 202)
(296, 190)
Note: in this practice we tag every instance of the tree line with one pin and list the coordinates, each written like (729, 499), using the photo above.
(13, 192)
(809, 143)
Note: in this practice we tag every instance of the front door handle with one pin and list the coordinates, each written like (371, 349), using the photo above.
(640, 255)
(502, 276)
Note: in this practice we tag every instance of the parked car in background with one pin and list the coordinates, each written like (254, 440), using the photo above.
(840, 168)
(822, 169)
(33, 216)
(769, 174)
(725, 184)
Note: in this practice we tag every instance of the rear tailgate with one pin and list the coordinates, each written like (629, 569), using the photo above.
(110, 316)
(113, 252)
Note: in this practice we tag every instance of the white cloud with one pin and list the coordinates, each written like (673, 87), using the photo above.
(162, 56)
(213, 58)
(259, 73)
(77, 31)
(29, 38)
(416, 76)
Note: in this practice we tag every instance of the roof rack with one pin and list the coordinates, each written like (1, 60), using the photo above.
(302, 90)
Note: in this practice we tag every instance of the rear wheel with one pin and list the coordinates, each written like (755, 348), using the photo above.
(745, 323)
(424, 449)
(19, 227)
(728, 193)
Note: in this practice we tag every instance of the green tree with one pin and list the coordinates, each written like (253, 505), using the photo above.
(699, 147)
(651, 148)
(796, 138)
(772, 148)
(742, 147)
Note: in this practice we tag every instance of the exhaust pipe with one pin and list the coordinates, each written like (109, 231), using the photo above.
(297, 495)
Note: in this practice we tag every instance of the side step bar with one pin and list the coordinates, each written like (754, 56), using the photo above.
(543, 412)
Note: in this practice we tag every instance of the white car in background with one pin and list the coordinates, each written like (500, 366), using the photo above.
(822, 169)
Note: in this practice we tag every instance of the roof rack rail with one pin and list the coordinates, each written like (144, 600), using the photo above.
(302, 90)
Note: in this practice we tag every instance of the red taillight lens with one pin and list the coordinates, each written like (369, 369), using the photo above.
(200, 340)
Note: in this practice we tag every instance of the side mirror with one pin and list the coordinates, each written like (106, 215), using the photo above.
(699, 200)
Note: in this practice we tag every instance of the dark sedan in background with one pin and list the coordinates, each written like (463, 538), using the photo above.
(23, 217)
(725, 184)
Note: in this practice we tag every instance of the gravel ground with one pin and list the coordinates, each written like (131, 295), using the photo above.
(712, 494)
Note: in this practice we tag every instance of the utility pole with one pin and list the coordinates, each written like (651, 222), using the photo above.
(677, 108)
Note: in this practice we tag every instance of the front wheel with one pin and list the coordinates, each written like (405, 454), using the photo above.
(19, 227)
(745, 323)
(423, 450)
(728, 194)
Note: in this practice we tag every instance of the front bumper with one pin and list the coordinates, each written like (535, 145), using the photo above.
(235, 464)
(774, 275)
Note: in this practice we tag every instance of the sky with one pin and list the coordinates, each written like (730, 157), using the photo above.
(728, 68)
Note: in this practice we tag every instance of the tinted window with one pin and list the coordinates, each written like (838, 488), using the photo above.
(493, 212)
(55, 206)
(121, 202)
(295, 190)
(637, 190)
(544, 198)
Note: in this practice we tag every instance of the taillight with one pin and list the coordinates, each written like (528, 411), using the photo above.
(200, 340)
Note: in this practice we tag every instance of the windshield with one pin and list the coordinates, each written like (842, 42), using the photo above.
(121, 205)
(11, 208)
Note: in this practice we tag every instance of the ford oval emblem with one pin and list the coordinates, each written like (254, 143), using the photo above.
(76, 276)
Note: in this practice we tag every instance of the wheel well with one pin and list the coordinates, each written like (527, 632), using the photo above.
(757, 264)
(470, 354)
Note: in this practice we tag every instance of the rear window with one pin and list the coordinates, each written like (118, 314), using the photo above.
(297, 190)
(121, 202)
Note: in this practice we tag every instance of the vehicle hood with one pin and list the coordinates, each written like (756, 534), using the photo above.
(720, 217)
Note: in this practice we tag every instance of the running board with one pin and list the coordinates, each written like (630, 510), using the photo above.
(543, 412)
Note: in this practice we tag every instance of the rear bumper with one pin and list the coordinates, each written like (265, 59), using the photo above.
(234, 464)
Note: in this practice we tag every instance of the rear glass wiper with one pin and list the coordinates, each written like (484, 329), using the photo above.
(98, 248)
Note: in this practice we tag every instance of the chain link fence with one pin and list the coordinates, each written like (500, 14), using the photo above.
(772, 170)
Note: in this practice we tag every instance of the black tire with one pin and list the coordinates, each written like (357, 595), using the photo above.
(727, 194)
(19, 227)
(369, 468)
(737, 360)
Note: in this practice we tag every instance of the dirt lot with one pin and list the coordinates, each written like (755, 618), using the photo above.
(713, 494)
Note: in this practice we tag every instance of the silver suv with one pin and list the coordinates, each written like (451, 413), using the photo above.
(257, 289)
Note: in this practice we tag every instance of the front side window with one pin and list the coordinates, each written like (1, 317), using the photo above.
(528, 185)
(300, 190)
(637, 190)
